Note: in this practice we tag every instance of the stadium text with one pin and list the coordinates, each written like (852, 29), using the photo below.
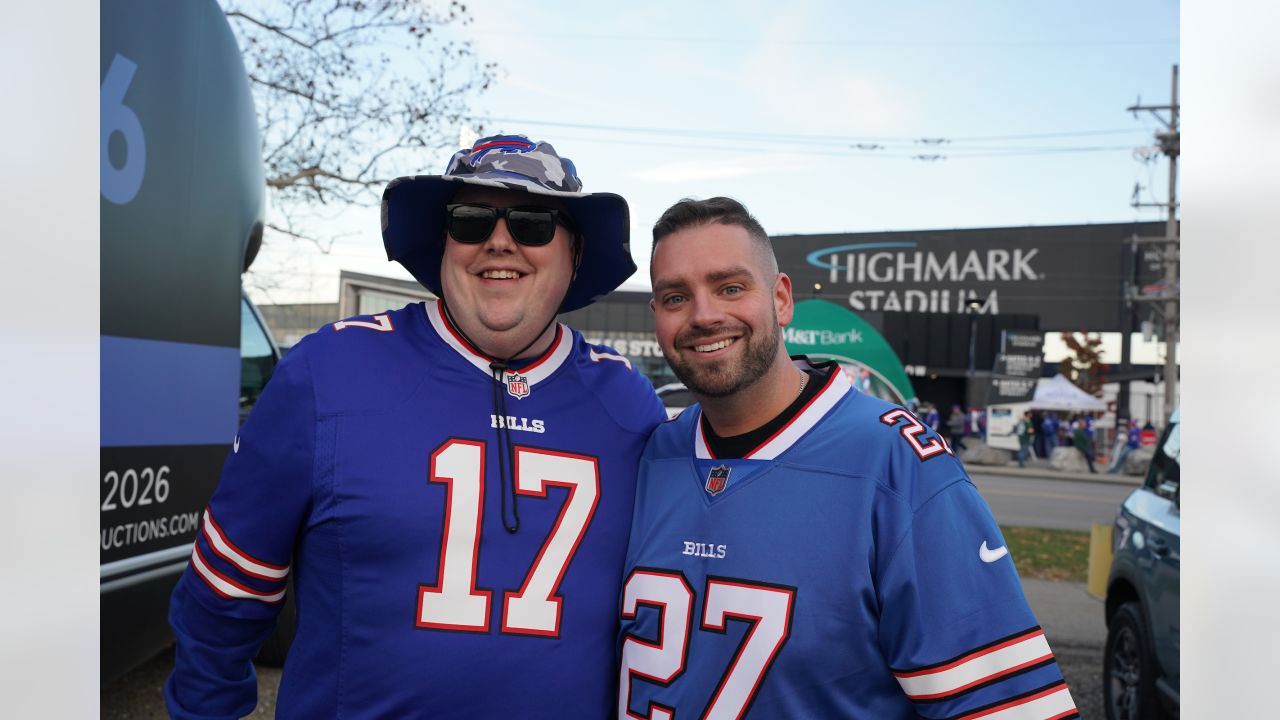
(934, 301)
(925, 267)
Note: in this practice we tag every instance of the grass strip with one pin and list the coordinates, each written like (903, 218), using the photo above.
(1048, 554)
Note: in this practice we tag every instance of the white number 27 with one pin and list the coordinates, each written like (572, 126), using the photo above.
(767, 609)
(454, 602)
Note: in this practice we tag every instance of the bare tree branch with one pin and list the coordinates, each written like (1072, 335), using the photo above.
(286, 231)
(311, 173)
(237, 15)
(349, 94)
(288, 90)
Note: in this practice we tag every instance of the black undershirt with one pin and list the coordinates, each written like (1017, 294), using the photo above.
(735, 446)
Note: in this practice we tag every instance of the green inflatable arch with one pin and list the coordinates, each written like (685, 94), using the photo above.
(826, 331)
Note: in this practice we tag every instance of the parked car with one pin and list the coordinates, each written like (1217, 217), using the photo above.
(675, 398)
(1140, 665)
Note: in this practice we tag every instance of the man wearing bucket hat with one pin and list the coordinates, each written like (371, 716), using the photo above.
(449, 485)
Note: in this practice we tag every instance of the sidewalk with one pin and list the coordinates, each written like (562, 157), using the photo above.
(1040, 469)
(1076, 630)
(1067, 612)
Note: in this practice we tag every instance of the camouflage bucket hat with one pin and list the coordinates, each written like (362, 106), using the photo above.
(413, 213)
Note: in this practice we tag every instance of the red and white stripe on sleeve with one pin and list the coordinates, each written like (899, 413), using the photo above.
(1052, 702)
(978, 667)
(987, 665)
(233, 573)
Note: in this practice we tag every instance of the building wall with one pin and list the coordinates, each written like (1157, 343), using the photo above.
(291, 322)
(914, 287)
(623, 321)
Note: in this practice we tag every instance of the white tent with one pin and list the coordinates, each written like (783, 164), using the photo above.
(1059, 393)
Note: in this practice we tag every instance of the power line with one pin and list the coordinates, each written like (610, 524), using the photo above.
(1038, 136)
(904, 43)
(803, 138)
(850, 152)
(1046, 151)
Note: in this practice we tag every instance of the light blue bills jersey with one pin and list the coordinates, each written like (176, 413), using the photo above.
(845, 568)
(374, 472)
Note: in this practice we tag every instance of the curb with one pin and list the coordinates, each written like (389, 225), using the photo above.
(1049, 474)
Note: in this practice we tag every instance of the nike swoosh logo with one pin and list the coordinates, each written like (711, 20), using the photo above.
(990, 556)
(235, 448)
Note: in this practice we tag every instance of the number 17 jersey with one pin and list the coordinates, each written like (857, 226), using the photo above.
(383, 471)
(845, 568)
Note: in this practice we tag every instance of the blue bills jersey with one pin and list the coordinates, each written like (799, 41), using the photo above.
(845, 568)
(372, 474)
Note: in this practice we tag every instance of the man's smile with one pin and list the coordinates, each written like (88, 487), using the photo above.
(712, 347)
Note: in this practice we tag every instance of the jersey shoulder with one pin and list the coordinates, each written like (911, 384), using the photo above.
(674, 437)
(624, 392)
(366, 362)
(888, 442)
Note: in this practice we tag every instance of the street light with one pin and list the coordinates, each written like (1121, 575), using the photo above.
(817, 288)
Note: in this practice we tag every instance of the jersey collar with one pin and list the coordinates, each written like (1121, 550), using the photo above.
(837, 387)
(539, 369)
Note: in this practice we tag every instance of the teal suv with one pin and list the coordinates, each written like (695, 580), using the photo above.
(1140, 668)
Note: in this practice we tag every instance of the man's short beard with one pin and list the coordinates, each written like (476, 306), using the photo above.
(724, 379)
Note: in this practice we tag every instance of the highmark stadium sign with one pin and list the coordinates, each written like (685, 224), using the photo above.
(1071, 276)
(871, 263)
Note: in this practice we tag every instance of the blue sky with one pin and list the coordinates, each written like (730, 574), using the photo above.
(762, 102)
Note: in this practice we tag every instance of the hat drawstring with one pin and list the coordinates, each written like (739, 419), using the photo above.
(498, 368)
(507, 482)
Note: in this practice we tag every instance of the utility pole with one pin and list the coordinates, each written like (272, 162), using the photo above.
(970, 385)
(1166, 301)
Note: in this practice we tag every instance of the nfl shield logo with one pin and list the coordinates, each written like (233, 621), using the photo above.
(717, 479)
(517, 386)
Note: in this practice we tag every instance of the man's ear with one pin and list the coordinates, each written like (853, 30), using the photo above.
(783, 304)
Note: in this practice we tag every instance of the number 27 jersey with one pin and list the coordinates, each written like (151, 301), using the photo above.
(846, 568)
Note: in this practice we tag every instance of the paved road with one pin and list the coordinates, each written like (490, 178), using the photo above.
(139, 695)
(1073, 623)
(1045, 503)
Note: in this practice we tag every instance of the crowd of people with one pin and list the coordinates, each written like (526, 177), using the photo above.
(1039, 432)
(959, 423)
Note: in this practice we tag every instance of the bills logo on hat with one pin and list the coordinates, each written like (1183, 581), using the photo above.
(717, 479)
(500, 143)
(517, 385)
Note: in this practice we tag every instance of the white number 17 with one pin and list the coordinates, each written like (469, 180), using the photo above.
(454, 602)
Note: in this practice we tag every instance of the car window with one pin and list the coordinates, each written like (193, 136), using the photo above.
(257, 357)
(679, 398)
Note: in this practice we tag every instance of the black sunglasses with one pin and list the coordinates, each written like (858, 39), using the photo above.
(534, 226)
